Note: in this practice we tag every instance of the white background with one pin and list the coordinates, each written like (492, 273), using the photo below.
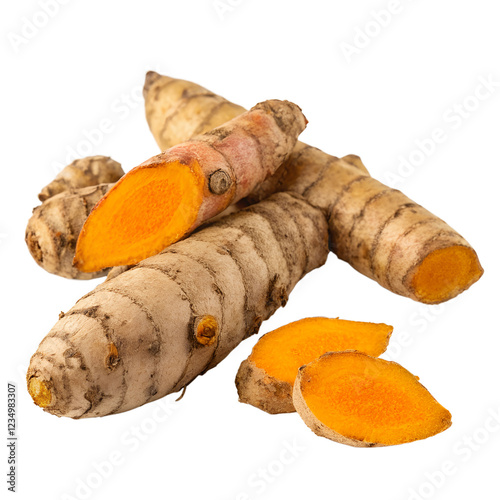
(87, 63)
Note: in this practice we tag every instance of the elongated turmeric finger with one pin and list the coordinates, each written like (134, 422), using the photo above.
(152, 329)
(170, 195)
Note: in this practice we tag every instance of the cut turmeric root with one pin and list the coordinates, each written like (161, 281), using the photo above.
(265, 379)
(355, 399)
(379, 231)
(150, 209)
(173, 193)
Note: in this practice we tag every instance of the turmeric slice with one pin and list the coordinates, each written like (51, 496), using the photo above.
(355, 399)
(265, 379)
(171, 194)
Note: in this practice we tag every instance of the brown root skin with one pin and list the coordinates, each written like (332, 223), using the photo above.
(173, 193)
(255, 387)
(83, 172)
(379, 231)
(151, 330)
(116, 271)
(201, 109)
(386, 404)
(265, 379)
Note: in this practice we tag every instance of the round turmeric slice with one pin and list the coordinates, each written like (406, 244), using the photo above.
(362, 401)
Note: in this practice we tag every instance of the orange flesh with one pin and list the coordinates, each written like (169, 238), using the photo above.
(444, 272)
(283, 351)
(371, 400)
(149, 209)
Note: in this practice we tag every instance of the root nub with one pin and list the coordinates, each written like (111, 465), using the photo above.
(112, 359)
(219, 182)
(39, 392)
(207, 330)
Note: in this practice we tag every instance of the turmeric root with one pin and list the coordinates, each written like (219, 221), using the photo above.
(265, 379)
(53, 230)
(183, 110)
(84, 172)
(173, 193)
(355, 399)
(377, 230)
(154, 328)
